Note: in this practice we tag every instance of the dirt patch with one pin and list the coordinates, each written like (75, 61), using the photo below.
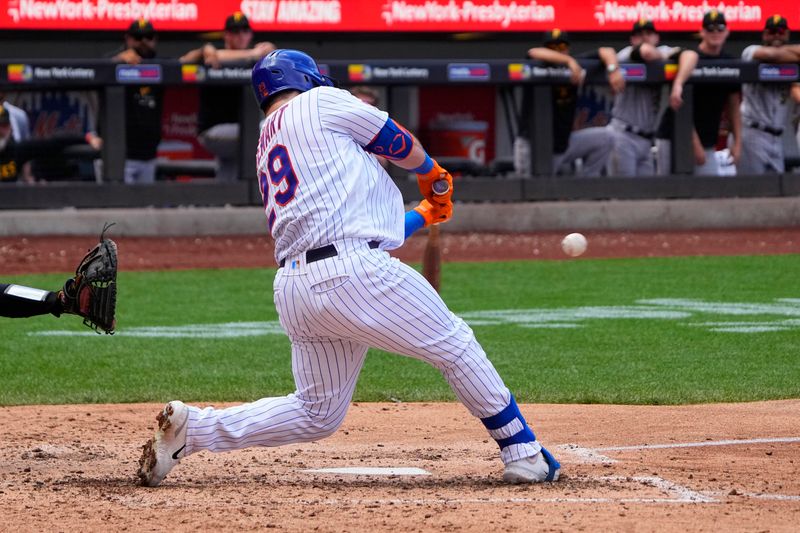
(73, 467)
(25, 255)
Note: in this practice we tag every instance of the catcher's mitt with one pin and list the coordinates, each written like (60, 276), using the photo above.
(92, 293)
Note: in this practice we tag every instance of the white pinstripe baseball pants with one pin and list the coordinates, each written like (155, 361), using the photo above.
(333, 310)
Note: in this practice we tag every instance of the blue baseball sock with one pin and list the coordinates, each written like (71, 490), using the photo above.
(506, 417)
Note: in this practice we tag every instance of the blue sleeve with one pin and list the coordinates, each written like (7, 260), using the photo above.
(414, 221)
(392, 142)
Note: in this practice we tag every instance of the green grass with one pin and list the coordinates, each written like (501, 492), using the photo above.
(621, 360)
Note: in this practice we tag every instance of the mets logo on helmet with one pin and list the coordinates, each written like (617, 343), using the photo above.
(262, 90)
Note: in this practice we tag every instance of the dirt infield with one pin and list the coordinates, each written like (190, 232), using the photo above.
(73, 467)
(716, 467)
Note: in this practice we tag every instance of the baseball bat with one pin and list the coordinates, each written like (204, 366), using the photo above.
(432, 258)
(440, 187)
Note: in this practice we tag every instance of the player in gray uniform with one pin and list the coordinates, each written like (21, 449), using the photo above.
(590, 145)
(637, 110)
(765, 106)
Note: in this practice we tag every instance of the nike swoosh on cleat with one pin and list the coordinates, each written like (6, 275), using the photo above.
(175, 455)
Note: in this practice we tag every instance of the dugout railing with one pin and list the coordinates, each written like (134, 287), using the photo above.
(110, 80)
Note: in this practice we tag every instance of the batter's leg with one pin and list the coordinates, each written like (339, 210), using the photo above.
(390, 306)
(325, 373)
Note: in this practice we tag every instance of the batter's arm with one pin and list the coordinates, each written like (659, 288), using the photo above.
(426, 214)
(416, 156)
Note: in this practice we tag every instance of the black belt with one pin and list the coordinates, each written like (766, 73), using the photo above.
(641, 133)
(324, 252)
(765, 128)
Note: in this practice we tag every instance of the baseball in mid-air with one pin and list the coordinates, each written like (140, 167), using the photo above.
(574, 244)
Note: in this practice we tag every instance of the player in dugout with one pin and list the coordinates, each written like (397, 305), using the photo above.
(710, 99)
(638, 110)
(590, 145)
(218, 116)
(765, 106)
(334, 213)
(21, 131)
(143, 106)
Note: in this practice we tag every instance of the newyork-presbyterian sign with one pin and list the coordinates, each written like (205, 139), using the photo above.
(390, 15)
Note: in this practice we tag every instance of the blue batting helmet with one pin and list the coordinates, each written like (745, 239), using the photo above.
(283, 70)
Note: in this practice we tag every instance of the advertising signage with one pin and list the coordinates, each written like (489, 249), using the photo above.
(390, 15)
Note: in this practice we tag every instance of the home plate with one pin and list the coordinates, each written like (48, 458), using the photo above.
(371, 471)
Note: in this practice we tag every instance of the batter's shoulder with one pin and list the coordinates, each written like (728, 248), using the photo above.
(332, 92)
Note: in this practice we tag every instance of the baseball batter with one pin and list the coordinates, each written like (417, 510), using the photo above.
(334, 212)
(765, 106)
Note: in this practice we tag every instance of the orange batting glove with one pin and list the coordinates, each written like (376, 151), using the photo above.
(434, 213)
(425, 182)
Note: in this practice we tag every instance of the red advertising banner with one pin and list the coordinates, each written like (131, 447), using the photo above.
(390, 15)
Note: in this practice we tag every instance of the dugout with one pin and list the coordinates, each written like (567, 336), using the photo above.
(338, 50)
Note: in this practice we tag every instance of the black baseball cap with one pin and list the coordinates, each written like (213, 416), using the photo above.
(555, 36)
(237, 22)
(4, 117)
(776, 22)
(141, 28)
(643, 25)
(713, 19)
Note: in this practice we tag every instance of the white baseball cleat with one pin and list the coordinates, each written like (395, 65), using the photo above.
(165, 450)
(541, 467)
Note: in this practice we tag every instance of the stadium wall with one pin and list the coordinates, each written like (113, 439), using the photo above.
(618, 215)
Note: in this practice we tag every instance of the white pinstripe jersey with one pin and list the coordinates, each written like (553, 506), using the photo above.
(318, 184)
